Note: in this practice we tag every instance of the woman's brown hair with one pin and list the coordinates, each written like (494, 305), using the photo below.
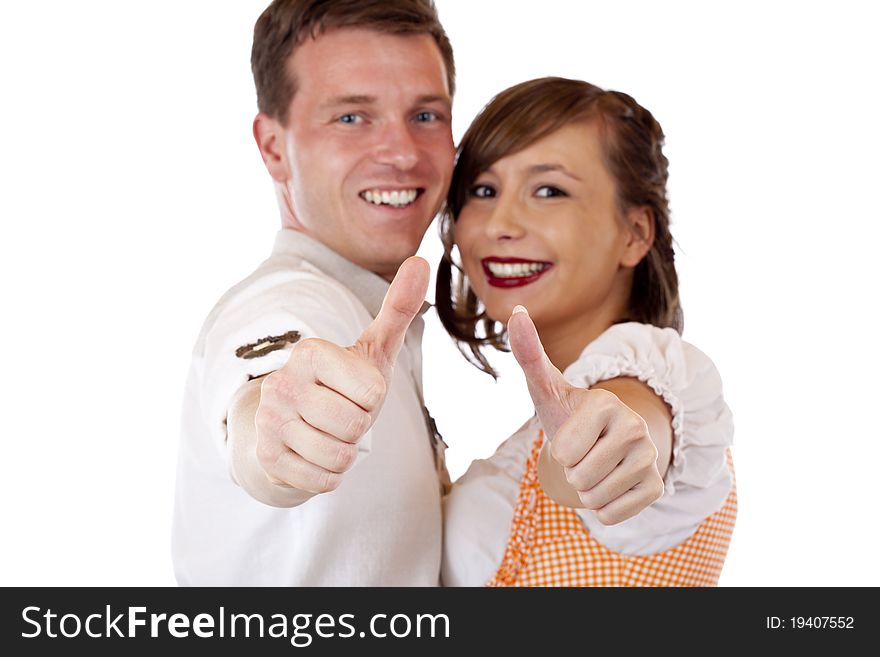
(633, 151)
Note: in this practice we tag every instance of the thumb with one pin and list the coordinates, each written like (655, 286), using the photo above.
(546, 384)
(382, 340)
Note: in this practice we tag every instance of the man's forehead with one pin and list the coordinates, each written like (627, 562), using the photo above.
(336, 57)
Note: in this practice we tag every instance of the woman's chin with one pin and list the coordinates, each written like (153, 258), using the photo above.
(501, 313)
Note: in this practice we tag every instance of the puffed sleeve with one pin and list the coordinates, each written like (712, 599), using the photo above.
(698, 479)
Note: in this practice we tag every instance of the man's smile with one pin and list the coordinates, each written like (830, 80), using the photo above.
(396, 198)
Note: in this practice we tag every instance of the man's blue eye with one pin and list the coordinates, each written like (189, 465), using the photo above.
(349, 118)
(425, 117)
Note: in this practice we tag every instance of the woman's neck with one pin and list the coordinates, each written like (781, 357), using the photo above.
(565, 341)
(564, 344)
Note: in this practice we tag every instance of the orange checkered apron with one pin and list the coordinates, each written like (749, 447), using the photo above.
(549, 546)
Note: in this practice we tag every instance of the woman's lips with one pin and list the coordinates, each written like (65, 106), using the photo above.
(513, 272)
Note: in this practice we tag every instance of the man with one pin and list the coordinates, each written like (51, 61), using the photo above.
(355, 130)
(289, 474)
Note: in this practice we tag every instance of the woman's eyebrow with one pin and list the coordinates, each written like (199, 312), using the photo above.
(544, 168)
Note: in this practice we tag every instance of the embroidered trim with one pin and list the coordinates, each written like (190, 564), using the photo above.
(267, 345)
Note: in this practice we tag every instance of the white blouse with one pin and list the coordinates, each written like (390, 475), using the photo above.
(479, 510)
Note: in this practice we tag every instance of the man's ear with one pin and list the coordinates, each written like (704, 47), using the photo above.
(270, 137)
(640, 222)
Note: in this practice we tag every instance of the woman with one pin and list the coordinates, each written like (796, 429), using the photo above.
(558, 203)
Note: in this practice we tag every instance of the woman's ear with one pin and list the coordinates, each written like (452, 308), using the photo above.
(640, 221)
(270, 138)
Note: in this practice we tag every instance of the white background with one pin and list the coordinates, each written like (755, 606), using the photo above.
(132, 196)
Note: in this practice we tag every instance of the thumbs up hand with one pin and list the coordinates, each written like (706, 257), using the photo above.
(314, 410)
(602, 447)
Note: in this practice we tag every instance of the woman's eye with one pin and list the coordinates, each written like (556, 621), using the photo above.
(548, 191)
(482, 191)
(350, 118)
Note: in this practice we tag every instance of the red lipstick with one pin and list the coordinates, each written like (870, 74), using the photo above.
(507, 274)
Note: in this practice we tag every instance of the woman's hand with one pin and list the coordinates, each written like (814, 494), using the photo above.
(609, 445)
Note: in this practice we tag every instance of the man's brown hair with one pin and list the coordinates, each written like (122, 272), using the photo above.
(632, 142)
(285, 24)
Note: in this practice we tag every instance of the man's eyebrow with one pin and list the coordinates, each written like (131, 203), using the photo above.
(434, 98)
(549, 166)
(361, 99)
(349, 100)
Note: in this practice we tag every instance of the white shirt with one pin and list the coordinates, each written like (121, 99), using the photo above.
(479, 510)
(382, 526)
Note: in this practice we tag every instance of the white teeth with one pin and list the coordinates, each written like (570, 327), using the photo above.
(515, 270)
(398, 198)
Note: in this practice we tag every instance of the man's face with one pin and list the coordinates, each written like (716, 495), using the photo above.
(368, 145)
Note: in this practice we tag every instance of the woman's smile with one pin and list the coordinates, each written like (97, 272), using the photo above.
(513, 272)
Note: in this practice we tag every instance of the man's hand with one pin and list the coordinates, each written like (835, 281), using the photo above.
(315, 409)
(604, 448)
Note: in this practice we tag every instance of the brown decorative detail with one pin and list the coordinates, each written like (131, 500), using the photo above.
(267, 345)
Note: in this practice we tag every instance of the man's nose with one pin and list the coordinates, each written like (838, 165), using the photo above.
(397, 147)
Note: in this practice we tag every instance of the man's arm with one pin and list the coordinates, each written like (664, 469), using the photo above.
(294, 433)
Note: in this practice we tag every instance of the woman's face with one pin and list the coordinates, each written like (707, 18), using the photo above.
(542, 228)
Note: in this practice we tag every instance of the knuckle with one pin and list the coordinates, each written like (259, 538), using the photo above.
(607, 517)
(269, 386)
(637, 425)
(262, 418)
(293, 393)
(306, 348)
(646, 456)
(560, 453)
(358, 426)
(589, 499)
(329, 481)
(374, 391)
(345, 457)
(633, 430)
(601, 397)
(266, 418)
(577, 480)
(267, 452)
(281, 387)
(306, 355)
(659, 488)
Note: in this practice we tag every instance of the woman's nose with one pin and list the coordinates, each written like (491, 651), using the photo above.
(505, 221)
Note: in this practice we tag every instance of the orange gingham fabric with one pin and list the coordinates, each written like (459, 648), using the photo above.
(549, 546)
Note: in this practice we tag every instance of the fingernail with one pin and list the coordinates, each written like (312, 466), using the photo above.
(520, 309)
